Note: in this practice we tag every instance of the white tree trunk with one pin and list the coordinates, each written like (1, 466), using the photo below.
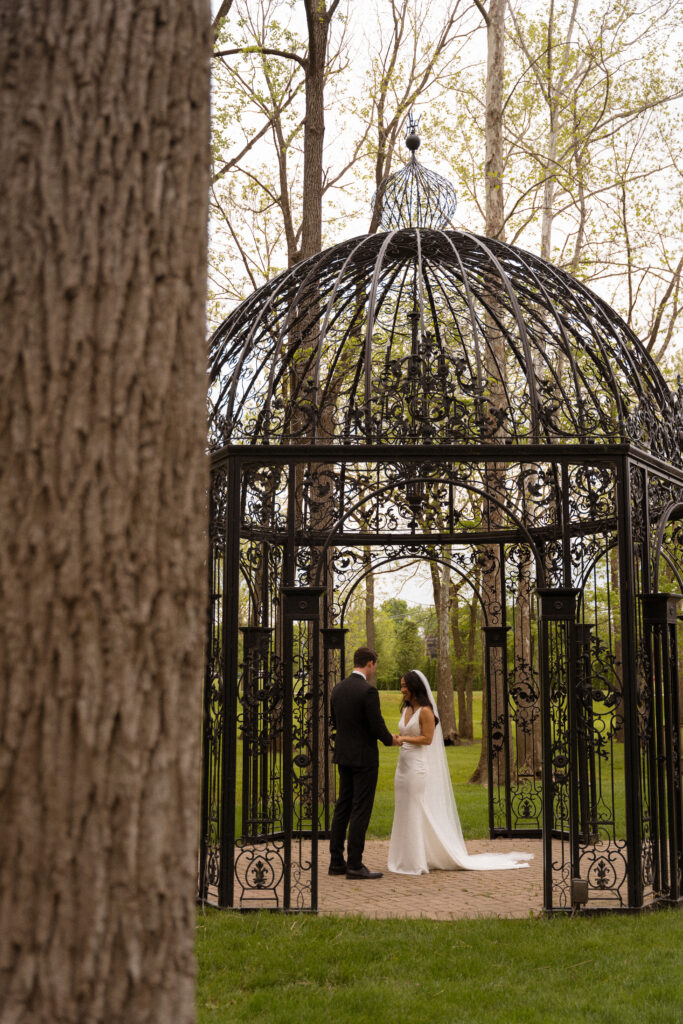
(103, 208)
(445, 700)
(495, 34)
(496, 347)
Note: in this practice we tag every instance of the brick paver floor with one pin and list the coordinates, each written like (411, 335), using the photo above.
(440, 895)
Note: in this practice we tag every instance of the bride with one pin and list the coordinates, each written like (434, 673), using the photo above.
(426, 831)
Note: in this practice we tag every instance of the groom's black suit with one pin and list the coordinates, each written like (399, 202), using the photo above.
(358, 722)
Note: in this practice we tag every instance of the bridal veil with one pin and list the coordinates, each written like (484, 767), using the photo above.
(442, 833)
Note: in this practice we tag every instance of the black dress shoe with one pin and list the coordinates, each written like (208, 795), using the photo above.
(337, 869)
(363, 872)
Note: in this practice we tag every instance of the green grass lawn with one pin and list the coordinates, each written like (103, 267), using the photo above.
(269, 969)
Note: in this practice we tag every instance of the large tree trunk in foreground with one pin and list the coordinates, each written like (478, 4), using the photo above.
(103, 208)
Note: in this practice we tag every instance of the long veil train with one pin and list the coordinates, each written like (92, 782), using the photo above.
(435, 837)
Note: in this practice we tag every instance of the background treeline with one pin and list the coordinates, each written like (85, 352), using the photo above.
(405, 637)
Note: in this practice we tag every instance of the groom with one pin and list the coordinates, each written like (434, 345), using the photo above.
(358, 722)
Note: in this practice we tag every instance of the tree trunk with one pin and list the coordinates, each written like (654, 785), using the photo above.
(467, 726)
(548, 214)
(318, 20)
(480, 774)
(103, 212)
(369, 600)
(444, 677)
(495, 67)
(496, 348)
(458, 651)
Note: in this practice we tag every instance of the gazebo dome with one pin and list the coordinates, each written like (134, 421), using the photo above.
(428, 336)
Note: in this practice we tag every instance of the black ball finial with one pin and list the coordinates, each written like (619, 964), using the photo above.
(413, 140)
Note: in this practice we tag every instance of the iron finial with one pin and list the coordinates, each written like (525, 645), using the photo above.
(412, 138)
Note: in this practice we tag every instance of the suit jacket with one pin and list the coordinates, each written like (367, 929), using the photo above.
(358, 722)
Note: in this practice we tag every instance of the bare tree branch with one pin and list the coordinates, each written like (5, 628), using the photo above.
(482, 10)
(235, 160)
(673, 283)
(266, 50)
(221, 14)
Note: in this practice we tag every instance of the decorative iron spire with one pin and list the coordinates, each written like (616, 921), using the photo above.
(415, 197)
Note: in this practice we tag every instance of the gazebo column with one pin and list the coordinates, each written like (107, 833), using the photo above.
(256, 729)
(334, 670)
(588, 790)
(229, 655)
(301, 739)
(497, 722)
(558, 660)
(661, 690)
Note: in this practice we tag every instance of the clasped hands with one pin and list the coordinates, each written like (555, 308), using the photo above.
(398, 740)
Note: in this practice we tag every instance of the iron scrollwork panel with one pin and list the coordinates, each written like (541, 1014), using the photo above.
(498, 725)
(557, 613)
(304, 787)
(660, 624)
(602, 846)
(214, 703)
(526, 797)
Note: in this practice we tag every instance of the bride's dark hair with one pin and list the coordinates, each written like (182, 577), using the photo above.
(418, 691)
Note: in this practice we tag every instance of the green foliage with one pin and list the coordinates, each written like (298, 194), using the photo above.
(409, 646)
(399, 637)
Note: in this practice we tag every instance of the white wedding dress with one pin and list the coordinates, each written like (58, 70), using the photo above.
(426, 831)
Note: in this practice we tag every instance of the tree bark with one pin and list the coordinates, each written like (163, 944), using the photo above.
(445, 702)
(318, 19)
(458, 651)
(104, 173)
(464, 680)
(495, 67)
(480, 774)
(496, 349)
(467, 728)
(369, 600)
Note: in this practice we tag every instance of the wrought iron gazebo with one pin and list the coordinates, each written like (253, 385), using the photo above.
(430, 393)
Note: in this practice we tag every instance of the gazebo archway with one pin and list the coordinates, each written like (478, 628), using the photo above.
(423, 366)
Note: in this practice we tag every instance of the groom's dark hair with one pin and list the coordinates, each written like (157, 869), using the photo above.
(362, 656)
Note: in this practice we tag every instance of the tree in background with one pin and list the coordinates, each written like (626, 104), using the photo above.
(103, 201)
(465, 628)
(589, 151)
(399, 643)
(410, 647)
(441, 584)
(259, 202)
(414, 59)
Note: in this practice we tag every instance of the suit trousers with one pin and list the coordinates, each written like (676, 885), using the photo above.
(353, 809)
